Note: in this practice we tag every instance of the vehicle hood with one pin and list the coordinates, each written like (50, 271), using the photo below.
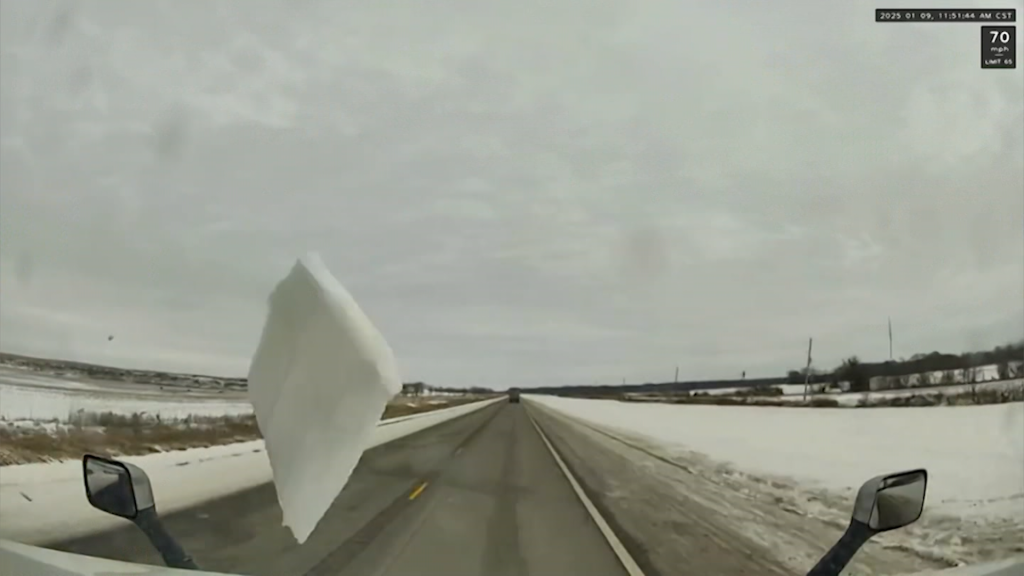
(16, 558)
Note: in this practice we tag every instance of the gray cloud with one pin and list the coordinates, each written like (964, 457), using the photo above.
(521, 194)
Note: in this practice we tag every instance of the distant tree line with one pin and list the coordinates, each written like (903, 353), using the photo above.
(851, 370)
(470, 390)
(1006, 358)
(616, 390)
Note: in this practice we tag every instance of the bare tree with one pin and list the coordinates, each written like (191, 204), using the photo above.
(924, 379)
(852, 371)
(1003, 369)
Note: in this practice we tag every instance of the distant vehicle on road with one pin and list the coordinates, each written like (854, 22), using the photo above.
(513, 395)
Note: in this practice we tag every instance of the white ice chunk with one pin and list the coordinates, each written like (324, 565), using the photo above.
(318, 383)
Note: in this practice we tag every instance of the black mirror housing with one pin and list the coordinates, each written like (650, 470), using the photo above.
(115, 487)
(883, 503)
(123, 489)
(891, 501)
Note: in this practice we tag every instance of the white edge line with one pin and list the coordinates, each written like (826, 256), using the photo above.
(632, 568)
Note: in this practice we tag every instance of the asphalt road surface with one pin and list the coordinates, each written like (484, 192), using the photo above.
(478, 495)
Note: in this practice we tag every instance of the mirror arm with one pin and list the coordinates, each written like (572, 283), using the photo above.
(173, 554)
(857, 533)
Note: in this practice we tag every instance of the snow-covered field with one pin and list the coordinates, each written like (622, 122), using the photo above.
(813, 460)
(33, 396)
(23, 378)
(52, 404)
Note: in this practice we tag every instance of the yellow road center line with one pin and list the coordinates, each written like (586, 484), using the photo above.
(417, 491)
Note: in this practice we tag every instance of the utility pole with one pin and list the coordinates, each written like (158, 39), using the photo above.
(890, 338)
(807, 370)
(676, 379)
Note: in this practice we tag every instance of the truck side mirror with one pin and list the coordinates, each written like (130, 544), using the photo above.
(883, 503)
(124, 490)
(891, 501)
(117, 488)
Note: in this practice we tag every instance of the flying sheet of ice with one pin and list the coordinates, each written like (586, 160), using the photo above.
(318, 383)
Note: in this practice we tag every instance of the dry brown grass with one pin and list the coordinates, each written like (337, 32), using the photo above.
(397, 409)
(109, 434)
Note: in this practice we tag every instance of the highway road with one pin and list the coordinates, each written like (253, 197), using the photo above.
(481, 495)
(478, 495)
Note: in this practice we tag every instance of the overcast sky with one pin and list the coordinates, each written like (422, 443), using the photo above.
(516, 192)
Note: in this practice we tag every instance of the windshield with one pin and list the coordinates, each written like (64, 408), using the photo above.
(513, 288)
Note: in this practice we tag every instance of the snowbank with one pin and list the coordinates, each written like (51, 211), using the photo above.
(974, 454)
(318, 383)
(41, 503)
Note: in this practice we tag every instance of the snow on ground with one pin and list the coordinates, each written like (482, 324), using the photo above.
(45, 502)
(813, 459)
(29, 379)
(851, 398)
(31, 396)
(44, 404)
(16, 377)
(841, 448)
